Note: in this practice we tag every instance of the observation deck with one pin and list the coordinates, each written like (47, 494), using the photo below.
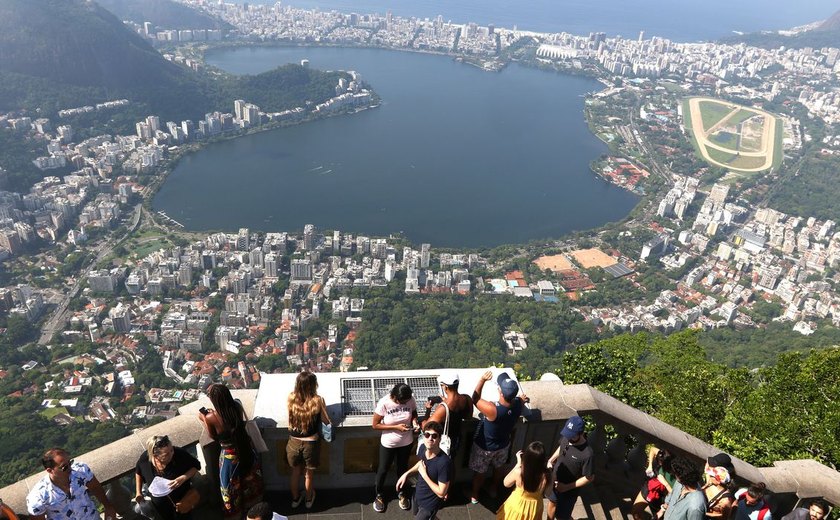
(618, 434)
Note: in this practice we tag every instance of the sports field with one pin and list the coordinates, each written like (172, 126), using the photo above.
(739, 138)
(592, 258)
(555, 263)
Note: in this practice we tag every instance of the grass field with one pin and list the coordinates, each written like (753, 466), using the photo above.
(712, 113)
(144, 249)
(49, 413)
(725, 139)
(739, 117)
(687, 123)
(720, 156)
(733, 136)
(778, 151)
(746, 163)
(672, 87)
(736, 162)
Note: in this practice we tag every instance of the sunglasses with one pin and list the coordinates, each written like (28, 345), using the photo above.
(431, 435)
(162, 442)
(65, 466)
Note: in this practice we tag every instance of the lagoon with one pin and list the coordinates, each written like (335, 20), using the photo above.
(454, 156)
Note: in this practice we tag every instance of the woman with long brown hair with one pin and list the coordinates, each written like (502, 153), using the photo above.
(240, 477)
(307, 410)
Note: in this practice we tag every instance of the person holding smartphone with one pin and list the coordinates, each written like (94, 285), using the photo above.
(240, 471)
(396, 417)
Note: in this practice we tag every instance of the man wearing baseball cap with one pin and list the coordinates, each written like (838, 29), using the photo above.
(492, 438)
(572, 468)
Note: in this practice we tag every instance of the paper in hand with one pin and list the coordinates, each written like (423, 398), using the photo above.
(160, 487)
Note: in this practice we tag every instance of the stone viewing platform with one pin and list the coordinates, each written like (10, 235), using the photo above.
(345, 478)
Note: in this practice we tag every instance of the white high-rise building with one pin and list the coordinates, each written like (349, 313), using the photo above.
(271, 265)
(239, 109)
(424, 255)
(301, 269)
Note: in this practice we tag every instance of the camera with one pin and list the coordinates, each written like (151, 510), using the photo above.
(435, 399)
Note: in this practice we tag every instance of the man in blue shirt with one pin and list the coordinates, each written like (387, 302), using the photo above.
(492, 439)
(434, 468)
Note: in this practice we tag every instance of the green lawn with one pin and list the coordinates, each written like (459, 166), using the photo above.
(725, 139)
(146, 233)
(779, 134)
(144, 249)
(49, 413)
(686, 112)
(740, 116)
(721, 157)
(734, 161)
(672, 87)
(747, 162)
(712, 112)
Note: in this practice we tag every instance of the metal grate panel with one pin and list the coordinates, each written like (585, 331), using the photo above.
(423, 387)
(360, 395)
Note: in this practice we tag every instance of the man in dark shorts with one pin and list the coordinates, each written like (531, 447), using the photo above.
(572, 468)
(492, 438)
(434, 468)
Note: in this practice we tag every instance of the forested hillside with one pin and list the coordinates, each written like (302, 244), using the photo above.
(788, 410)
(67, 53)
(163, 14)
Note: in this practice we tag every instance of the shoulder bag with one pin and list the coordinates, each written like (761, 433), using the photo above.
(445, 440)
(254, 434)
(327, 431)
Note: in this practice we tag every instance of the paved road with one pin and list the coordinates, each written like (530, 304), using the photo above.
(57, 319)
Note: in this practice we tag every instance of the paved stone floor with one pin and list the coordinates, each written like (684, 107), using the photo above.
(356, 504)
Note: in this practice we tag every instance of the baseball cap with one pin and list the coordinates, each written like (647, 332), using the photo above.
(508, 386)
(573, 427)
(721, 459)
(450, 379)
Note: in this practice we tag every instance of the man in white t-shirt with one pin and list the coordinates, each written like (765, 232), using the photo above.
(396, 417)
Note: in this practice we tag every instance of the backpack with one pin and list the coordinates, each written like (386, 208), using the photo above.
(761, 512)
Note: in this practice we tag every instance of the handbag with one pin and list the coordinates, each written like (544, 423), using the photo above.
(188, 502)
(445, 440)
(327, 432)
(254, 434)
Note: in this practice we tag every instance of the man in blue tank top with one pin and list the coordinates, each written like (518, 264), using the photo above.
(492, 438)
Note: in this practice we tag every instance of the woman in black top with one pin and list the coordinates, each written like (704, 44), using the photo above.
(307, 410)
(166, 461)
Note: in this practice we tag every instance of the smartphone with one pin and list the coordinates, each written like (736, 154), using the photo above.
(203, 410)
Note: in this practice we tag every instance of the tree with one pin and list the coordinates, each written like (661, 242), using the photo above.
(612, 367)
(794, 413)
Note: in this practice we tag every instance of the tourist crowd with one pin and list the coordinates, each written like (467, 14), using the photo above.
(674, 487)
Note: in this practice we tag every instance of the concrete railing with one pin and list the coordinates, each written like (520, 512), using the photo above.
(551, 404)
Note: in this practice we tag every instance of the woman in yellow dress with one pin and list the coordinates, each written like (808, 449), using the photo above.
(530, 477)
